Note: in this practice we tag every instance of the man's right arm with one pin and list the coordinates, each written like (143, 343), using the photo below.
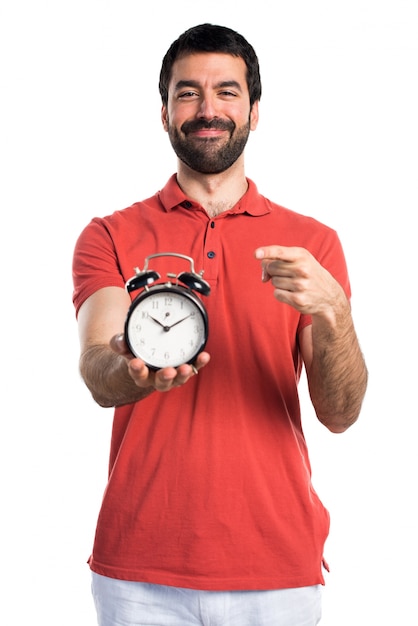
(104, 366)
(113, 376)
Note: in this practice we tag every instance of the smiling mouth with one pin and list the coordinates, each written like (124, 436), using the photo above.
(207, 129)
(206, 133)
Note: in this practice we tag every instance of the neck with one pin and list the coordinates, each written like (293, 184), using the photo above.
(216, 193)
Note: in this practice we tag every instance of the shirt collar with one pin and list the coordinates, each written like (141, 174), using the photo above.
(253, 203)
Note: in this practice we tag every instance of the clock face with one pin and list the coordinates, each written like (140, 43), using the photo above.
(166, 326)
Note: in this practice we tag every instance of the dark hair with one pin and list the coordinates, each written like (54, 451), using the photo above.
(212, 38)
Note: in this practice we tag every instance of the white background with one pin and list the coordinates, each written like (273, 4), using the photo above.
(80, 137)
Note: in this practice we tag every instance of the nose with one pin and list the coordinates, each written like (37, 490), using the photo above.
(207, 108)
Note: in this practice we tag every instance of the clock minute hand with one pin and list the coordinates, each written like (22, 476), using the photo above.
(179, 321)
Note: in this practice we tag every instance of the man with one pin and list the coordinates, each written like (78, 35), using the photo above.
(209, 515)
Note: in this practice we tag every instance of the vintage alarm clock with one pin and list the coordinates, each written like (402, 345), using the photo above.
(167, 323)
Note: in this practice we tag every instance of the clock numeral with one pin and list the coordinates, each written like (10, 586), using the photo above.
(168, 300)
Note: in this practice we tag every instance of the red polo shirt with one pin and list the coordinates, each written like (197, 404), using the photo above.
(210, 484)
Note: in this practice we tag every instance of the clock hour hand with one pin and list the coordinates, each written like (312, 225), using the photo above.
(166, 328)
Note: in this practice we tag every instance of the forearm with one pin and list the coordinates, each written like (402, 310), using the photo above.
(337, 375)
(106, 375)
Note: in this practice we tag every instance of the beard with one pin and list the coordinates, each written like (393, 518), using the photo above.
(205, 155)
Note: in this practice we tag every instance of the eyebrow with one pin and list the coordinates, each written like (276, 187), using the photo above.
(182, 84)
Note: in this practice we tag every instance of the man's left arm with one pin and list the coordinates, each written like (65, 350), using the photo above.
(335, 367)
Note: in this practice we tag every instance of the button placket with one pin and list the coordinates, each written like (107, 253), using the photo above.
(212, 250)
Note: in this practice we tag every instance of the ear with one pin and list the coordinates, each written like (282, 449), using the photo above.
(164, 117)
(254, 115)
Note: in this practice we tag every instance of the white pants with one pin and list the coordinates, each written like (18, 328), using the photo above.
(125, 603)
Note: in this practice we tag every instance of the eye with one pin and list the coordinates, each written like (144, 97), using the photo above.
(186, 94)
(227, 95)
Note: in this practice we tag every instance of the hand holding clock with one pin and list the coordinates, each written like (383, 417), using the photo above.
(163, 379)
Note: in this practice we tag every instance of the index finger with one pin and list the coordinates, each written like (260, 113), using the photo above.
(283, 253)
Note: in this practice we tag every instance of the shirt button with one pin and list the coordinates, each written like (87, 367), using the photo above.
(186, 204)
(212, 224)
(211, 254)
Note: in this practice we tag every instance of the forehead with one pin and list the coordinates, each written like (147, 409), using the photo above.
(209, 69)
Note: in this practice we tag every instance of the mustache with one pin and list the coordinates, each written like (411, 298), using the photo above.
(195, 125)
